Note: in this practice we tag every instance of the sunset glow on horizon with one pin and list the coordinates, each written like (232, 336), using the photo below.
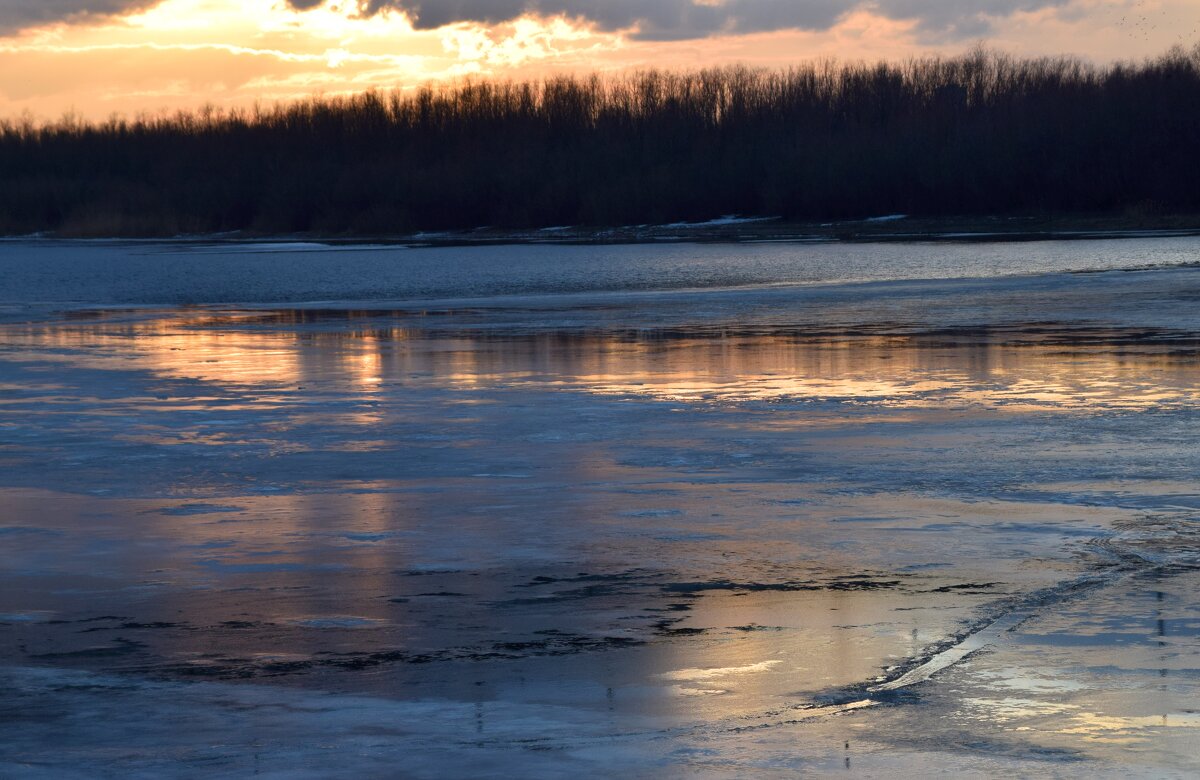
(105, 57)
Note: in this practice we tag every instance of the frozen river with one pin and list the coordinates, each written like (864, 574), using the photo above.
(553, 511)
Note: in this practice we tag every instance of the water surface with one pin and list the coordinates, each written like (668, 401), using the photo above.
(906, 525)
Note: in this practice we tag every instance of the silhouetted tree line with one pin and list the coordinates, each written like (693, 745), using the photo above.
(979, 134)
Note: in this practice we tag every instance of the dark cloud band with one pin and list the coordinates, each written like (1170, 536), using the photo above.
(653, 19)
(19, 14)
(688, 19)
(657, 19)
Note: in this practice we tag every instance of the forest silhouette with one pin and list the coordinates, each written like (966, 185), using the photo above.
(980, 134)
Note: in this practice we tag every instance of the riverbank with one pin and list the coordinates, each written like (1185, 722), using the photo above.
(892, 228)
(887, 228)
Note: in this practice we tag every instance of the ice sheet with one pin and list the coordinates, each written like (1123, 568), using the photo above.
(904, 526)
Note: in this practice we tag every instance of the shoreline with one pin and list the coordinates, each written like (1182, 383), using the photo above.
(730, 229)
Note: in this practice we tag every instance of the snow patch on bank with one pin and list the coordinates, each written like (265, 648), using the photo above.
(728, 219)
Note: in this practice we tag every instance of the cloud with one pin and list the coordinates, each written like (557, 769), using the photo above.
(956, 19)
(19, 14)
(691, 19)
(659, 20)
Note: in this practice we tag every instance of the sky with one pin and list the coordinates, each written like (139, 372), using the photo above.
(96, 58)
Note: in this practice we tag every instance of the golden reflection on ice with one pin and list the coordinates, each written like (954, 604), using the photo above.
(772, 652)
(1097, 727)
(692, 675)
(362, 353)
(907, 373)
(1030, 715)
(171, 346)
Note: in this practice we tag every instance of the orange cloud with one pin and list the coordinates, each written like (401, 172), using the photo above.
(185, 53)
